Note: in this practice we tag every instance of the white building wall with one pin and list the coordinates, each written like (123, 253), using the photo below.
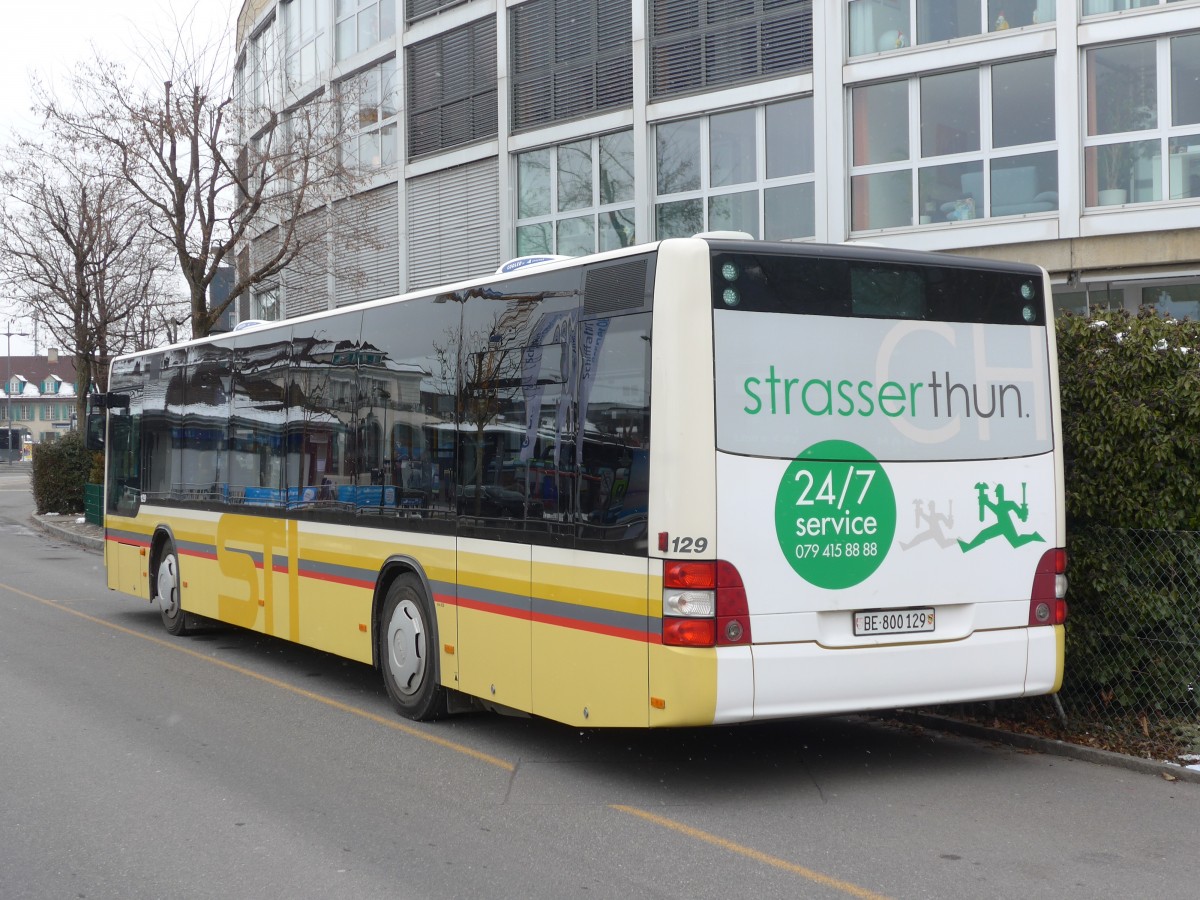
(456, 211)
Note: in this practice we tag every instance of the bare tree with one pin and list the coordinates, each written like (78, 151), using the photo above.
(77, 252)
(214, 164)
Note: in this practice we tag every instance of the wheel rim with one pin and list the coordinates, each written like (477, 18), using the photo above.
(168, 586)
(406, 647)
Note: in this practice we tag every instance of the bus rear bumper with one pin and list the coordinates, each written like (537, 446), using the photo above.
(801, 679)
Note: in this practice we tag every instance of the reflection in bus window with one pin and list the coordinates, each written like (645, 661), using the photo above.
(322, 414)
(613, 442)
(405, 438)
(258, 417)
(513, 405)
(205, 425)
(124, 448)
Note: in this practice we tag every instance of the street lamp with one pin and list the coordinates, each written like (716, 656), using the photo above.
(9, 333)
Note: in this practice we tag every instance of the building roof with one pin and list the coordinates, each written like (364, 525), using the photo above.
(36, 370)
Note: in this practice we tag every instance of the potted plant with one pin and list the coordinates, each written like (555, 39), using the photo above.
(1121, 99)
(1114, 163)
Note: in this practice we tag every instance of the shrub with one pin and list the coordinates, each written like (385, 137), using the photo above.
(60, 470)
(1131, 442)
(1131, 420)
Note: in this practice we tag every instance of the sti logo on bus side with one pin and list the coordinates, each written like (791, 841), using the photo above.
(250, 551)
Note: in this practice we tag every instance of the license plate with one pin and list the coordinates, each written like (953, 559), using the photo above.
(893, 621)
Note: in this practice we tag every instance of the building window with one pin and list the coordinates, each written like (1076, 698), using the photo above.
(263, 87)
(698, 44)
(746, 170)
(569, 58)
(879, 26)
(1100, 7)
(1083, 301)
(1143, 122)
(452, 89)
(981, 145)
(576, 198)
(303, 34)
(420, 9)
(256, 81)
(369, 108)
(1178, 300)
(361, 24)
(264, 303)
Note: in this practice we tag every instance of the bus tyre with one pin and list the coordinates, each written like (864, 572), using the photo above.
(166, 591)
(407, 638)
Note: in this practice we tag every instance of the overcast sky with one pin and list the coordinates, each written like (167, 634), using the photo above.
(48, 37)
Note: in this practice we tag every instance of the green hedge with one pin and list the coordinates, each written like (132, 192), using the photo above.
(60, 470)
(1131, 435)
(1131, 420)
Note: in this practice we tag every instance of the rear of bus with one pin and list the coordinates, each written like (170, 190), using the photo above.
(888, 507)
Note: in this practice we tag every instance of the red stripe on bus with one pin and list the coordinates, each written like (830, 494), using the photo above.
(199, 554)
(629, 634)
(332, 579)
(494, 609)
(126, 541)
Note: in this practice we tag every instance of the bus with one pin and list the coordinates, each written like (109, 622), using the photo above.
(12, 444)
(703, 480)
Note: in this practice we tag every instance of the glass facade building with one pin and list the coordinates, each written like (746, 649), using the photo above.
(1065, 134)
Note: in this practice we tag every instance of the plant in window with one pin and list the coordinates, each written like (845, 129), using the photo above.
(1125, 103)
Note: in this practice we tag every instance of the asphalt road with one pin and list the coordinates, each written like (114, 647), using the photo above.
(133, 764)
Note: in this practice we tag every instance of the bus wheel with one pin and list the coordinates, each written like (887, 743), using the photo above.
(408, 644)
(166, 591)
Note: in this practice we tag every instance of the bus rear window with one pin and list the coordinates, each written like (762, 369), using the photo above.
(875, 288)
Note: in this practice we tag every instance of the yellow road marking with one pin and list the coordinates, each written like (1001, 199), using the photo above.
(758, 856)
(387, 722)
(396, 725)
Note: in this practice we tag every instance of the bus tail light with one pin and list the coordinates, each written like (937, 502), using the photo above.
(1047, 603)
(704, 605)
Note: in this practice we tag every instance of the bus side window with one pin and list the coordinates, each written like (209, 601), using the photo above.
(514, 408)
(613, 440)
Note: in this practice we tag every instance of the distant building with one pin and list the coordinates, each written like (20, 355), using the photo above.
(218, 293)
(1064, 134)
(40, 395)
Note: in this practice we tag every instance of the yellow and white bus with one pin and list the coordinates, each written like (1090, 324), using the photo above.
(699, 481)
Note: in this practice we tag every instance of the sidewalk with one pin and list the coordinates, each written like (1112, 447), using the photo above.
(71, 528)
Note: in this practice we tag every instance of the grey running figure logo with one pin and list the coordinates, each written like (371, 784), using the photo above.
(934, 521)
(1007, 512)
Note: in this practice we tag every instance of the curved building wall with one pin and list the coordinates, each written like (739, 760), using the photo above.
(1063, 134)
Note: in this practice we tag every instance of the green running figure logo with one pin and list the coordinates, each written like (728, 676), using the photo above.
(1006, 513)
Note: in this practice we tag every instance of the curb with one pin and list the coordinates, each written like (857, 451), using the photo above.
(1166, 770)
(87, 541)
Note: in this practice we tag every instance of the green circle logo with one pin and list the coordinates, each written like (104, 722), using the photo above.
(835, 514)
